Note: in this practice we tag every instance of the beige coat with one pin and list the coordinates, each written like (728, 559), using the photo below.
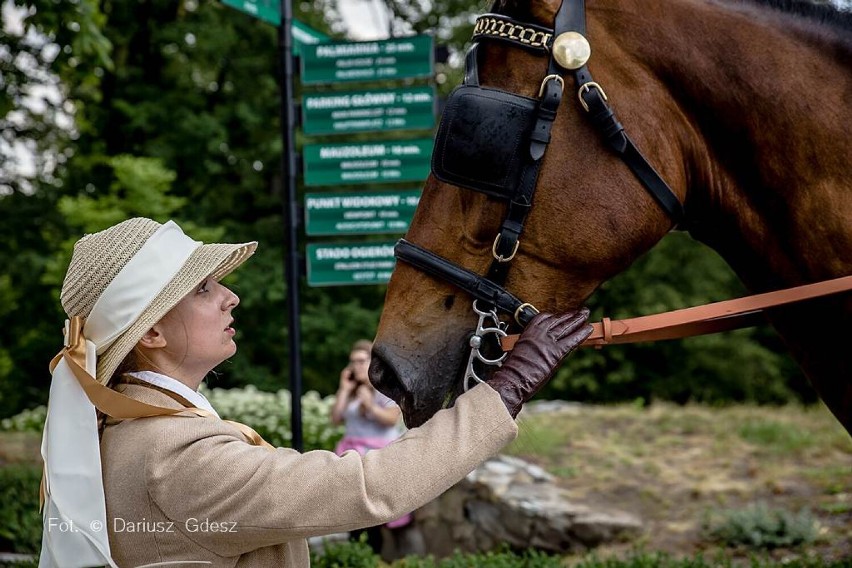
(191, 488)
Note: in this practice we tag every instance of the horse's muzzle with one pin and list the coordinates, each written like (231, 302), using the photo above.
(388, 379)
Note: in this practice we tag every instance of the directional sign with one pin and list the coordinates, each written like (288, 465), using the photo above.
(349, 263)
(360, 213)
(390, 161)
(367, 60)
(303, 34)
(365, 111)
(270, 11)
(266, 10)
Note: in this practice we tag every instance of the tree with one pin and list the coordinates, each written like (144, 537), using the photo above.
(170, 108)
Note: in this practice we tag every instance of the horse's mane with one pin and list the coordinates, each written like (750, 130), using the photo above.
(820, 12)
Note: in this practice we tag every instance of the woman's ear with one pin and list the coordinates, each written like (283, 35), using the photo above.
(153, 339)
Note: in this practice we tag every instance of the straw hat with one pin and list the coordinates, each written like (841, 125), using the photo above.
(99, 257)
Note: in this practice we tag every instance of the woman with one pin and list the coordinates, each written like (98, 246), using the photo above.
(170, 482)
(371, 421)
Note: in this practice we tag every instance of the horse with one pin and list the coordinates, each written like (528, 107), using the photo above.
(742, 106)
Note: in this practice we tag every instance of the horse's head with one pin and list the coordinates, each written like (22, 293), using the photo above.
(590, 218)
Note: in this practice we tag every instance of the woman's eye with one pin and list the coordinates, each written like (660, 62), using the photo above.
(203, 287)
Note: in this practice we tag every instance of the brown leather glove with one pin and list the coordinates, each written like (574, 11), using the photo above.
(544, 343)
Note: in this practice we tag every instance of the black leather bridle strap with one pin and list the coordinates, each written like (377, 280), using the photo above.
(604, 119)
(467, 281)
(571, 17)
(520, 205)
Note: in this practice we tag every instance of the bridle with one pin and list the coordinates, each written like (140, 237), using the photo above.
(468, 154)
(493, 141)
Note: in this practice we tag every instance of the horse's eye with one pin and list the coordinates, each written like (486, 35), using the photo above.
(449, 301)
(481, 215)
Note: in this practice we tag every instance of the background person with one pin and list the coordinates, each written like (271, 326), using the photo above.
(147, 320)
(372, 421)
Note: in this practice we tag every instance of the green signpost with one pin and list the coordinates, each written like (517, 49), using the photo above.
(350, 263)
(365, 111)
(369, 162)
(270, 11)
(375, 212)
(305, 35)
(266, 10)
(367, 60)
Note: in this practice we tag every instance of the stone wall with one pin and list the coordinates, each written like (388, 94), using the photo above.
(507, 500)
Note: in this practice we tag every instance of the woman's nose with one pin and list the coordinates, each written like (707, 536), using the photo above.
(231, 299)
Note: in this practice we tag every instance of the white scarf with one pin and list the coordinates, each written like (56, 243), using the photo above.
(75, 524)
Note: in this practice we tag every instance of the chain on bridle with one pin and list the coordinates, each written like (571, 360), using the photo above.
(493, 141)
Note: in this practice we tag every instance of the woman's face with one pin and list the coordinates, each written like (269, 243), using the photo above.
(359, 362)
(199, 331)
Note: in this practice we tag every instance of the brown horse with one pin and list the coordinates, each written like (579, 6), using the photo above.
(743, 107)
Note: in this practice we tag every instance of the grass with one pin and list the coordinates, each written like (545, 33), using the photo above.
(684, 470)
(677, 466)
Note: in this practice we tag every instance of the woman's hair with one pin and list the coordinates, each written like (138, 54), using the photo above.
(137, 361)
(362, 345)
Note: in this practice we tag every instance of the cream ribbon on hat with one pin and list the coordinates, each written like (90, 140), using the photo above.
(75, 524)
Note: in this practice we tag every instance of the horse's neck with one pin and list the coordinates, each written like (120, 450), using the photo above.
(767, 96)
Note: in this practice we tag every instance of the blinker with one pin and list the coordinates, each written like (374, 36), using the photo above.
(483, 139)
(571, 50)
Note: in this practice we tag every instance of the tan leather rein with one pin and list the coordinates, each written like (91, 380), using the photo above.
(701, 320)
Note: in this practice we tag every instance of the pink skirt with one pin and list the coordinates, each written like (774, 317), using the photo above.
(362, 446)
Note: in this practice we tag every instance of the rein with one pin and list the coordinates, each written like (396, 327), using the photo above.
(701, 320)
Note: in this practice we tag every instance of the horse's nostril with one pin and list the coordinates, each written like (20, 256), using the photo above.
(385, 379)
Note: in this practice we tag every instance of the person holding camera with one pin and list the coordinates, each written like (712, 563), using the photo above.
(148, 319)
(371, 419)
(371, 422)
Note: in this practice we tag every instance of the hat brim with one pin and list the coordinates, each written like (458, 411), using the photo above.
(212, 260)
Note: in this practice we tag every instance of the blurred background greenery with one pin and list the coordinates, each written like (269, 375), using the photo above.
(170, 109)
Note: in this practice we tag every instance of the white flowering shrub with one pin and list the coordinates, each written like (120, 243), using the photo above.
(269, 414)
(30, 420)
(266, 412)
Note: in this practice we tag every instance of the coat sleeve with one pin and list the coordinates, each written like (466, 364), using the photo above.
(202, 470)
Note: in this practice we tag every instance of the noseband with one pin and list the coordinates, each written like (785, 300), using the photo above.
(493, 141)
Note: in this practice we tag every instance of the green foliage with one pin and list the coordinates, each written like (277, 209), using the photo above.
(20, 520)
(20, 563)
(760, 527)
(174, 113)
(503, 558)
(745, 365)
(359, 555)
(269, 414)
(346, 554)
(775, 436)
(29, 420)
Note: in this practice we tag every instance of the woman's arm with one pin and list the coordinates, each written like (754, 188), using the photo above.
(386, 415)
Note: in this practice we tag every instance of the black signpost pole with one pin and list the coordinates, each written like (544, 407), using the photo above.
(291, 220)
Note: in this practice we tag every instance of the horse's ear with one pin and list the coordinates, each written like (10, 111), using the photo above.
(544, 11)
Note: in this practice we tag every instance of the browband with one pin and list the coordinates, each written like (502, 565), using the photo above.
(497, 26)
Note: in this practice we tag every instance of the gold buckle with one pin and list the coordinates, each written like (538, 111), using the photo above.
(585, 88)
(548, 78)
(521, 307)
(499, 258)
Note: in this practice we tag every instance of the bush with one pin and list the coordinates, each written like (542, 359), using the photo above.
(20, 520)
(346, 554)
(30, 420)
(266, 412)
(269, 414)
(499, 559)
(759, 526)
